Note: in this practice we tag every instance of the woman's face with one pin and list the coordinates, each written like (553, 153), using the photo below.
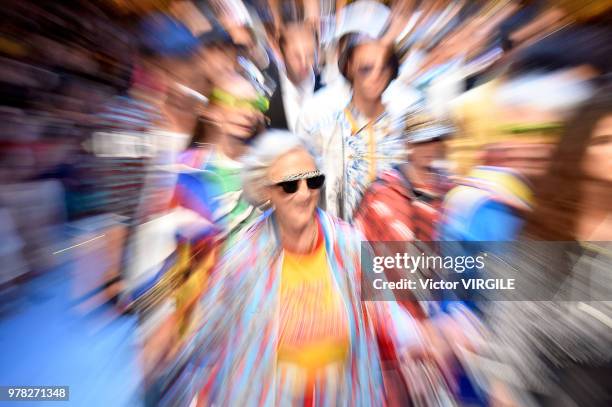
(597, 162)
(296, 209)
(369, 68)
(424, 154)
(237, 119)
(299, 52)
(216, 63)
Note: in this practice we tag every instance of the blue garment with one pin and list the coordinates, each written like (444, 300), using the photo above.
(473, 231)
(491, 222)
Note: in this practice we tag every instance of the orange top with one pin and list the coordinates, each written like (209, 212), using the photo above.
(313, 321)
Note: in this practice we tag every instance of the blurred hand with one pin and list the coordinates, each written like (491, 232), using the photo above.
(432, 346)
(500, 395)
(315, 23)
(439, 347)
(432, 350)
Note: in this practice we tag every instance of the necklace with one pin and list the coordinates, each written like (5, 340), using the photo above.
(315, 238)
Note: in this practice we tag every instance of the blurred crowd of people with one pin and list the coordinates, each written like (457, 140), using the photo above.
(187, 189)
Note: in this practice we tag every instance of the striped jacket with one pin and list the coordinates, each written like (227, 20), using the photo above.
(231, 361)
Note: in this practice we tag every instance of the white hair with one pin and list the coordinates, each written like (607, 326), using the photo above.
(266, 149)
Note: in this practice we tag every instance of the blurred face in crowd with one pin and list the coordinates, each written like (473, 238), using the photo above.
(531, 157)
(597, 163)
(243, 38)
(298, 47)
(241, 35)
(181, 71)
(234, 111)
(296, 209)
(151, 79)
(217, 61)
(536, 100)
(369, 69)
(423, 155)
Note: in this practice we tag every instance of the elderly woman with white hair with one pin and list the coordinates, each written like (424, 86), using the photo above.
(283, 320)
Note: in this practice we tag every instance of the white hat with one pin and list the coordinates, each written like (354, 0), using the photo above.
(365, 17)
(422, 127)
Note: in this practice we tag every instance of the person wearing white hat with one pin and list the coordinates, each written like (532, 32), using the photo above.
(364, 16)
(361, 138)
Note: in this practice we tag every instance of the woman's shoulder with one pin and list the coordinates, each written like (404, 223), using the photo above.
(248, 249)
(260, 227)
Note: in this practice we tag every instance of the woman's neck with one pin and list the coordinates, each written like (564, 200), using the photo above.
(231, 147)
(299, 240)
(595, 212)
(370, 108)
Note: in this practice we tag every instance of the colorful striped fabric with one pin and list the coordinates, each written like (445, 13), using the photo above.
(372, 147)
(232, 360)
(313, 333)
(123, 127)
(354, 152)
(128, 114)
(210, 185)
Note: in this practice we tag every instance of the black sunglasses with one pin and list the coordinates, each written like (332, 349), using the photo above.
(291, 187)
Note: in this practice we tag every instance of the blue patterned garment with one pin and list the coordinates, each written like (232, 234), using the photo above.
(354, 151)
